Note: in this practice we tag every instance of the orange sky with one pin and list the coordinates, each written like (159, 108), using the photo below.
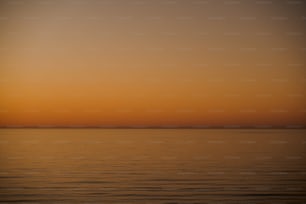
(152, 63)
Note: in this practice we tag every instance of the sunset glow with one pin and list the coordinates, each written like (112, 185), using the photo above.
(119, 63)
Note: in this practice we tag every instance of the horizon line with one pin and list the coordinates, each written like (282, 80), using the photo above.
(157, 127)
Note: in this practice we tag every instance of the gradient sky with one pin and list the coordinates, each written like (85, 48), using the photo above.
(152, 63)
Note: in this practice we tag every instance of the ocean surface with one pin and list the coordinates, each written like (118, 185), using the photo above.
(152, 166)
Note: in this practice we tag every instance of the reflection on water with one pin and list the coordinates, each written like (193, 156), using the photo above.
(152, 166)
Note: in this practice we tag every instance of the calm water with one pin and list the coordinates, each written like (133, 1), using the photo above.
(152, 166)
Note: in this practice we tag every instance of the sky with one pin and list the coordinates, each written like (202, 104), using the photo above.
(162, 63)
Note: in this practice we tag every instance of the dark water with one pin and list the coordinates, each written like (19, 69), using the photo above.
(152, 166)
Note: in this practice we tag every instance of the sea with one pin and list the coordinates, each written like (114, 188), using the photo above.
(152, 166)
